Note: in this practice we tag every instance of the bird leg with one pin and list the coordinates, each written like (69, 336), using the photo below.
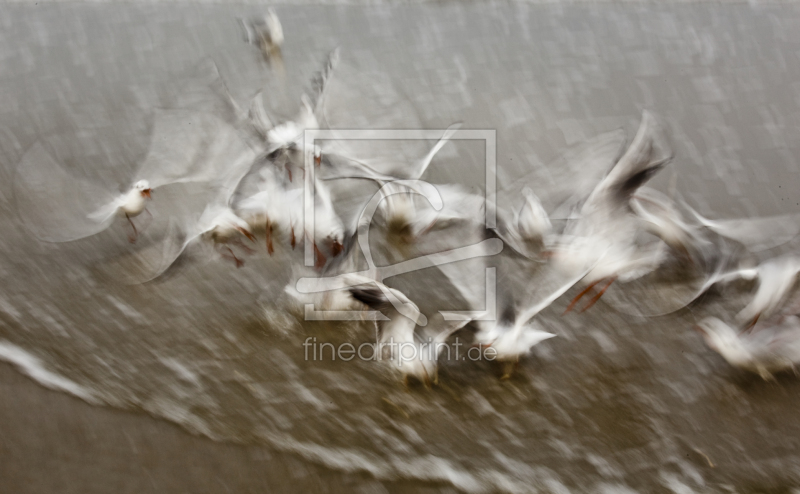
(294, 241)
(135, 232)
(319, 258)
(599, 294)
(247, 234)
(750, 327)
(270, 248)
(239, 262)
(288, 170)
(580, 296)
(238, 242)
(509, 368)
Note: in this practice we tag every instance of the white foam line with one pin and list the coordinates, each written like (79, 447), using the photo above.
(33, 367)
(429, 468)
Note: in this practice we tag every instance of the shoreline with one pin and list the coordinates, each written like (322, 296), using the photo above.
(54, 442)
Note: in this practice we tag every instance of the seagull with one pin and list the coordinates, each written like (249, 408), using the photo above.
(284, 140)
(529, 230)
(129, 204)
(185, 147)
(514, 334)
(412, 354)
(276, 205)
(774, 277)
(398, 209)
(604, 234)
(327, 224)
(769, 349)
(265, 32)
(273, 207)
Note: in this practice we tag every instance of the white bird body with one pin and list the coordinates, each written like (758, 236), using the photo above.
(604, 234)
(660, 216)
(764, 351)
(512, 341)
(134, 203)
(290, 133)
(274, 207)
(130, 204)
(410, 353)
(775, 278)
(514, 336)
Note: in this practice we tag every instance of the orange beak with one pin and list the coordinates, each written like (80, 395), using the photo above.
(146, 193)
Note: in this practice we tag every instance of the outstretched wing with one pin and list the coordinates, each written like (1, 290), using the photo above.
(56, 206)
(190, 146)
(426, 160)
(756, 234)
(319, 84)
(648, 153)
(156, 261)
(568, 181)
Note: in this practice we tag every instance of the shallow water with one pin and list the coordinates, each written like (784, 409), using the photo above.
(614, 402)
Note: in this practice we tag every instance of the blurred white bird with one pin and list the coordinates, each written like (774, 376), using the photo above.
(775, 279)
(660, 216)
(398, 209)
(284, 207)
(273, 208)
(529, 229)
(284, 141)
(771, 347)
(514, 334)
(264, 32)
(605, 233)
(185, 147)
(130, 204)
(413, 354)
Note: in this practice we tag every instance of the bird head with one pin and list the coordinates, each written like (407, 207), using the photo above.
(143, 186)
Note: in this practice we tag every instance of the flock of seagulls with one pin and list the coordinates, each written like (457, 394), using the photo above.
(607, 226)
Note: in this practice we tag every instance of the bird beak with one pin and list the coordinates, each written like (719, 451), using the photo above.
(700, 330)
(146, 193)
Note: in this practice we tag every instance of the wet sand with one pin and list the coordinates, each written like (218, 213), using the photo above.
(52, 442)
